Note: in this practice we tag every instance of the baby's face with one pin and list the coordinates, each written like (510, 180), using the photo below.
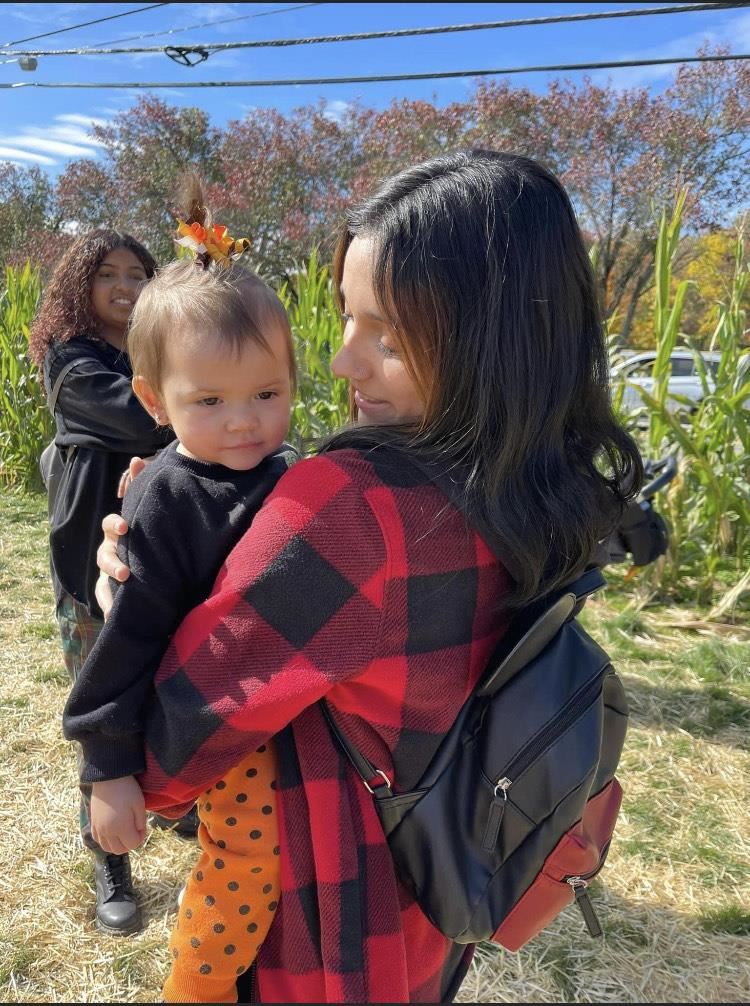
(228, 409)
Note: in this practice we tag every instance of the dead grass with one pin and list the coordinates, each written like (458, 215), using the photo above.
(674, 897)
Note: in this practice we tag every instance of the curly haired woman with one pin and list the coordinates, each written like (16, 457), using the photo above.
(78, 340)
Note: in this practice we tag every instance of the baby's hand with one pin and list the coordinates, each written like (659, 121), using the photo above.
(118, 815)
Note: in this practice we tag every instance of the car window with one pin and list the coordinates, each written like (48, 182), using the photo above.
(682, 367)
(642, 369)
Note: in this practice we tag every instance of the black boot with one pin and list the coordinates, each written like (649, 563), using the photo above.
(187, 825)
(117, 911)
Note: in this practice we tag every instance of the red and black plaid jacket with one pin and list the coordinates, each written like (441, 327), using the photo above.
(360, 582)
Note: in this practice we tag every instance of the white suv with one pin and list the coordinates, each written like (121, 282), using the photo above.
(684, 379)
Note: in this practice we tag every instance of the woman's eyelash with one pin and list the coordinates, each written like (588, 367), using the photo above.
(387, 351)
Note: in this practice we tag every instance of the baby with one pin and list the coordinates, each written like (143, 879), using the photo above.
(212, 356)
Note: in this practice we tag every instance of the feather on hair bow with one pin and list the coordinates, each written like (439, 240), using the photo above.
(213, 242)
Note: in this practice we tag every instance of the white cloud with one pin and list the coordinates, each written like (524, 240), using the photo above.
(81, 120)
(336, 110)
(733, 33)
(216, 13)
(17, 156)
(57, 17)
(67, 136)
(47, 146)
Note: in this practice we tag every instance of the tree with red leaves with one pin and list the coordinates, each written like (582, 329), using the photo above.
(285, 180)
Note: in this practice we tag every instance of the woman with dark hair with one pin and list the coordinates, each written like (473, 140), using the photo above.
(78, 340)
(484, 467)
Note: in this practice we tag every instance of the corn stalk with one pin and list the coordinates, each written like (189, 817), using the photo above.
(25, 423)
(708, 504)
(322, 402)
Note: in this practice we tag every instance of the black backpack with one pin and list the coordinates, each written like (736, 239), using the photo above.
(515, 813)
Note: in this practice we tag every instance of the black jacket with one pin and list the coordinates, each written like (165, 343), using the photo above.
(98, 415)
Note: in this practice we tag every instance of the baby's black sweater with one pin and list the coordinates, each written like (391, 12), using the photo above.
(184, 516)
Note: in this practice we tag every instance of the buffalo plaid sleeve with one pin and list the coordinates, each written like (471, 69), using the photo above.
(295, 610)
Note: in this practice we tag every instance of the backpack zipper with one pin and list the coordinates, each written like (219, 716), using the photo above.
(495, 816)
(526, 756)
(580, 890)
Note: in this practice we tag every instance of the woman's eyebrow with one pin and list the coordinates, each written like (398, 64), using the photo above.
(370, 315)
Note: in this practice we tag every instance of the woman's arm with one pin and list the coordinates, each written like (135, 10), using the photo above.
(99, 409)
(295, 610)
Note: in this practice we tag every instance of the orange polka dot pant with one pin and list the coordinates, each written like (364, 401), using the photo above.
(231, 895)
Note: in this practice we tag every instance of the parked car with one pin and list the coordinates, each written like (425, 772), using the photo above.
(684, 379)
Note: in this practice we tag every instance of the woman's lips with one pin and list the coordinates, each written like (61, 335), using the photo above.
(370, 406)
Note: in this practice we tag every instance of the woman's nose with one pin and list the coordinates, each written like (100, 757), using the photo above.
(125, 284)
(348, 365)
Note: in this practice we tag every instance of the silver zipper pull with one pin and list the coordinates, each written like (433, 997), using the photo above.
(580, 890)
(495, 816)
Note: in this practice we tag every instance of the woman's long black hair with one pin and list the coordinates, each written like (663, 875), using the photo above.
(480, 263)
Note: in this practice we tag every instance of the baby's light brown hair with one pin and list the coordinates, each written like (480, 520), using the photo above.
(228, 303)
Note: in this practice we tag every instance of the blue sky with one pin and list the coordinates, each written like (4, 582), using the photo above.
(49, 127)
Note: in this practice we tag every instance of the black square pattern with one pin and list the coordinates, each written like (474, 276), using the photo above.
(191, 722)
(299, 592)
(441, 610)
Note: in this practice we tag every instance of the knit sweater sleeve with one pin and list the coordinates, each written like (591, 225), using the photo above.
(105, 708)
(296, 609)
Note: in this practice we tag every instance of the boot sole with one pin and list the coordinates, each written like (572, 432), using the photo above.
(112, 931)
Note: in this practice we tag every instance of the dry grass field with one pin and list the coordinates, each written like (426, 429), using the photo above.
(674, 897)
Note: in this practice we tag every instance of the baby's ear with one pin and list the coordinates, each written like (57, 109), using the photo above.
(150, 399)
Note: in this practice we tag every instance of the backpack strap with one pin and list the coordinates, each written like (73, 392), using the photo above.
(375, 779)
(564, 606)
(46, 462)
(52, 400)
(587, 583)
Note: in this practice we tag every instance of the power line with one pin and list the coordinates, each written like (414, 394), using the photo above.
(370, 79)
(85, 24)
(212, 24)
(395, 33)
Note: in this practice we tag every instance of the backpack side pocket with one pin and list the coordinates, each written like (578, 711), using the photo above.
(577, 857)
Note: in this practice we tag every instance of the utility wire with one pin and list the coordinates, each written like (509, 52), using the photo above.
(85, 24)
(395, 33)
(212, 24)
(292, 82)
